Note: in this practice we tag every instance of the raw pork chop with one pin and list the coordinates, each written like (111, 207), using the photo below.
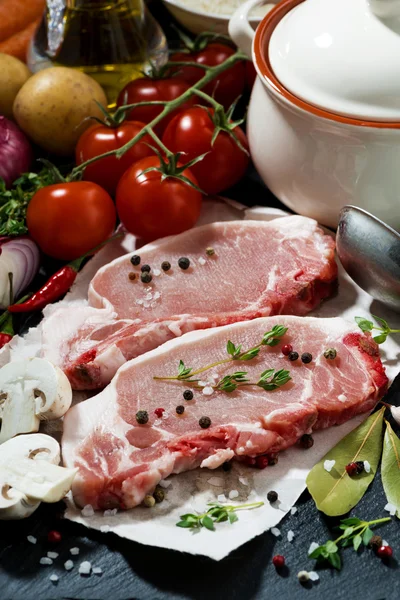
(258, 269)
(120, 461)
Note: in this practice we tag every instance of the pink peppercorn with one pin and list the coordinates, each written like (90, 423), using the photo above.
(385, 552)
(262, 462)
(159, 412)
(287, 349)
(54, 537)
(278, 561)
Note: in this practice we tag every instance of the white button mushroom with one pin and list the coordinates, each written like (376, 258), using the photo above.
(31, 390)
(29, 474)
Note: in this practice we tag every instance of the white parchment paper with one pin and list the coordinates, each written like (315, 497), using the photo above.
(190, 491)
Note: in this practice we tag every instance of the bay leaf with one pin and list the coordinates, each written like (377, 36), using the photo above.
(391, 468)
(335, 493)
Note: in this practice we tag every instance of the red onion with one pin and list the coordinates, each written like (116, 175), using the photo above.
(19, 256)
(15, 151)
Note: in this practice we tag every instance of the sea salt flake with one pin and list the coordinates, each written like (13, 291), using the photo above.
(395, 410)
(202, 261)
(244, 480)
(157, 422)
(111, 512)
(391, 509)
(87, 511)
(68, 565)
(85, 568)
(165, 415)
(165, 483)
(290, 535)
(233, 494)
(384, 543)
(313, 576)
(313, 546)
(52, 555)
(208, 390)
(329, 464)
(139, 301)
(31, 539)
(54, 578)
(367, 466)
(293, 510)
(221, 498)
(148, 296)
(156, 295)
(105, 528)
(45, 560)
(97, 570)
(157, 273)
(275, 531)
(202, 383)
(216, 481)
(74, 551)
(146, 304)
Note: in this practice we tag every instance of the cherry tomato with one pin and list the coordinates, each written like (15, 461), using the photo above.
(225, 88)
(150, 208)
(251, 75)
(150, 90)
(191, 132)
(68, 219)
(100, 139)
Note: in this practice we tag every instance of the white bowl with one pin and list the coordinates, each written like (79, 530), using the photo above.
(198, 21)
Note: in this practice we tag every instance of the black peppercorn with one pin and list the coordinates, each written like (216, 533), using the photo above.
(205, 422)
(330, 353)
(188, 395)
(159, 494)
(145, 268)
(145, 277)
(293, 356)
(375, 542)
(166, 265)
(135, 260)
(142, 417)
(184, 263)
(227, 466)
(180, 409)
(272, 459)
(272, 496)
(360, 466)
(306, 358)
(306, 441)
(210, 251)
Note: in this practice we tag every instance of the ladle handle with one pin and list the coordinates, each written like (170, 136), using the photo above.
(240, 29)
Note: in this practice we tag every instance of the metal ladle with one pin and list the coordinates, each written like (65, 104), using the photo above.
(369, 250)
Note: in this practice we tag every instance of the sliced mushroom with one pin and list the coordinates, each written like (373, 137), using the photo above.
(31, 390)
(29, 474)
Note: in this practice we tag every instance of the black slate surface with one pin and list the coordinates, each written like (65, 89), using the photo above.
(134, 571)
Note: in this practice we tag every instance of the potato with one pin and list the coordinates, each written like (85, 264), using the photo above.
(13, 74)
(52, 105)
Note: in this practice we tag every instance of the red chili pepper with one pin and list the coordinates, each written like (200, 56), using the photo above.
(4, 339)
(57, 285)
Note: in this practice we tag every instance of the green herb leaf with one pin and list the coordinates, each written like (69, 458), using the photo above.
(207, 522)
(317, 552)
(350, 521)
(185, 524)
(364, 324)
(331, 547)
(183, 372)
(348, 531)
(367, 535)
(382, 322)
(335, 493)
(357, 539)
(250, 354)
(230, 348)
(273, 337)
(380, 339)
(232, 517)
(335, 560)
(391, 468)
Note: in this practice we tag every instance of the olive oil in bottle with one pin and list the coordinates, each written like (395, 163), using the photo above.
(111, 40)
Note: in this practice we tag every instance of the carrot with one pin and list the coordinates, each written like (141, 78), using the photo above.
(17, 45)
(17, 15)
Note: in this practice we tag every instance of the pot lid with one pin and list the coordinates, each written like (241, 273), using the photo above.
(342, 56)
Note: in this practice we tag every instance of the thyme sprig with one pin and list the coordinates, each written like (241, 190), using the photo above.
(355, 533)
(270, 338)
(385, 330)
(217, 513)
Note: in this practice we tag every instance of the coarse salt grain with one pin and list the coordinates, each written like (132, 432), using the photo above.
(54, 578)
(157, 273)
(313, 546)
(87, 511)
(52, 555)
(391, 509)
(45, 560)
(105, 528)
(313, 576)
(165, 483)
(293, 510)
(139, 301)
(233, 494)
(202, 383)
(215, 481)
(31, 539)
(157, 422)
(156, 295)
(384, 543)
(97, 570)
(74, 551)
(275, 531)
(290, 535)
(146, 304)
(244, 480)
(111, 512)
(367, 466)
(68, 565)
(208, 390)
(202, 261)
(221, 498)
(395, 410)
(329, 464)
(165, 415)
(85, 568)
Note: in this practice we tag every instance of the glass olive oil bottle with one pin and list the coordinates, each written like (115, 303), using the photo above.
(111, 40)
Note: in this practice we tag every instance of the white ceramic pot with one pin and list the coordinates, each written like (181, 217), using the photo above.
(313, 159)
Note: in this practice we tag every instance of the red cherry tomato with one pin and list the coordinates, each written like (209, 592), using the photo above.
(67, 220)
(151, 90)
(191, 132)
(150, 208)
(100, 139)
(225, 88)
(251, 75)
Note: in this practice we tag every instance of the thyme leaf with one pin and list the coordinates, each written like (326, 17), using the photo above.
(217, 513)
(366, 325)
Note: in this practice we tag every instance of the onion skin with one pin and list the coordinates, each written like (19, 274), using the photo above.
(15, 151)
(21, 257)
